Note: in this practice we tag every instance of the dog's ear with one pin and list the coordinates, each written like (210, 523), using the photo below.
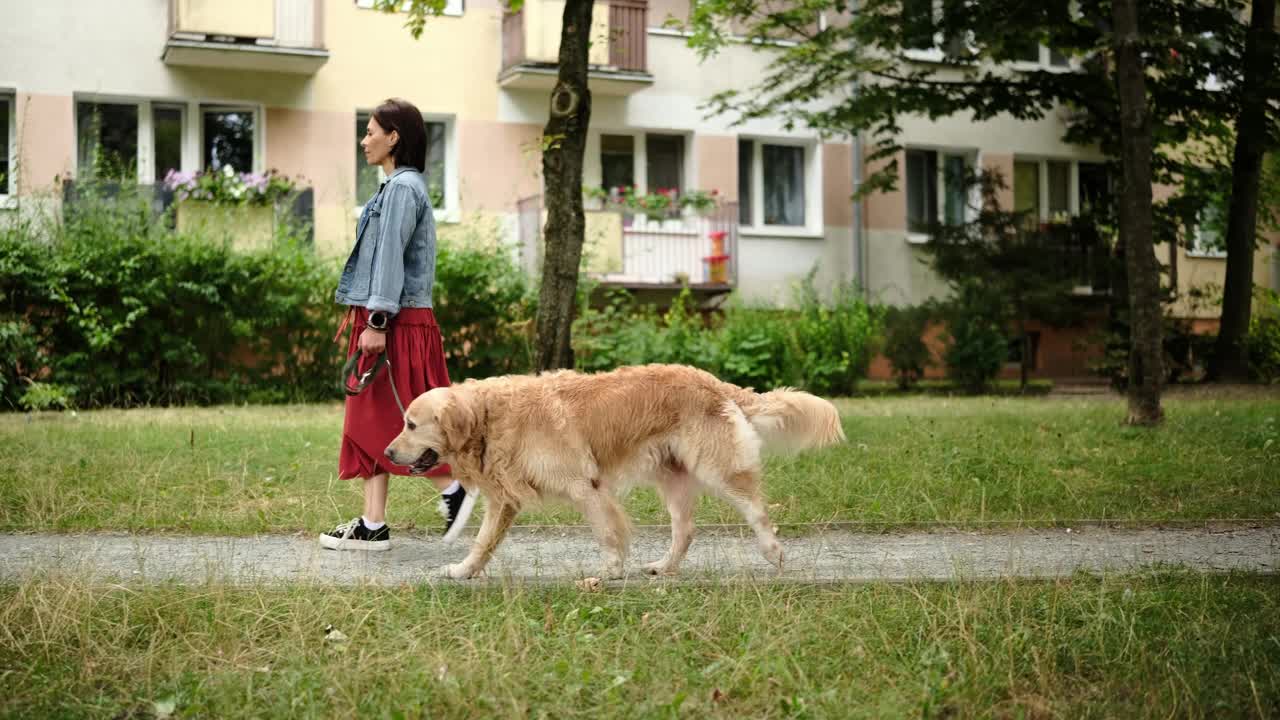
(457, 419)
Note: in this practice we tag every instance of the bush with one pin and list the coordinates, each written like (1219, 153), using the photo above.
(977, 346)
(484, 306)
(116, 310)
(1263, 340)
(822, 347)
(904, 344)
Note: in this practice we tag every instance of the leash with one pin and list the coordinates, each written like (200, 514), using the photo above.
(366, 378)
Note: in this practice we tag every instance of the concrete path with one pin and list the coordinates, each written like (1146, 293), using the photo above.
(566, 554)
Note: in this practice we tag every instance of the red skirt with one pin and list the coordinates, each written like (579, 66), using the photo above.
(372, 419)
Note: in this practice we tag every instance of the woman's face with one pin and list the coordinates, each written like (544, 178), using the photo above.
(377, 143)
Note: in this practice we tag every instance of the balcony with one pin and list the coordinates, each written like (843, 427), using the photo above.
(617, 56)
(633, 251)
(284, 36)
(1081, 252)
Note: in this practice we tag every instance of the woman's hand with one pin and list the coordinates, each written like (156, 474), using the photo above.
(372, 342)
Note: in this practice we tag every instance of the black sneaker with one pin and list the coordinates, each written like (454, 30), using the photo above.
(456, 509)
(354, 535)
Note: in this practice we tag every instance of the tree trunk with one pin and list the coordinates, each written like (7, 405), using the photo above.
(1146, 366)
(563, 143)
(1230, 361)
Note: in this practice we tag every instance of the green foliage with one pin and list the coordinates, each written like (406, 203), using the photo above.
(1263, 340)
(821, 345)
(484, 306)
(978, 343)
(904, 344)
(116, 310)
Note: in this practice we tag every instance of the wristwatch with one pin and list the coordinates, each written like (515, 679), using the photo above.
(378, 320)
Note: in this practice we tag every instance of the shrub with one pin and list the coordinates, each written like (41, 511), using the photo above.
(1263, 340)
(823, 347)
(977, 344)
(904, 344)
(117, 310)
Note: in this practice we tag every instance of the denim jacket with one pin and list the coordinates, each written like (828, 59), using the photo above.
(393, 264)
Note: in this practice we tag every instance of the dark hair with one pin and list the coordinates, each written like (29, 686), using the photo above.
(400, 115)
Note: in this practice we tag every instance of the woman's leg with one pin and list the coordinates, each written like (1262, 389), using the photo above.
(375, 498)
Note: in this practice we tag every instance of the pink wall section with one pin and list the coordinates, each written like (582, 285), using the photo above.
(46, 140)
(1002, 164)
(888, 210)
(717, 161)
(318, 145)
(498, 163)
(837, 184)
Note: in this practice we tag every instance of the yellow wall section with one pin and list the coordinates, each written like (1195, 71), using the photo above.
(543, 20)
(452, 69)
(243, 18)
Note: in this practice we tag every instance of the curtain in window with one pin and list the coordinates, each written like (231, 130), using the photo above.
(783, 167)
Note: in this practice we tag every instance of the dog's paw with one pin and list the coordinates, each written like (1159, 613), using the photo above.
(456, 571)
(612, 571)
(773, 553)
(659, 567)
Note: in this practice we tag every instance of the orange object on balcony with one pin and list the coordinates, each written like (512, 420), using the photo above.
(717, 269)
(717, 242)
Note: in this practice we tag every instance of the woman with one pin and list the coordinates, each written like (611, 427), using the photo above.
(387, 283)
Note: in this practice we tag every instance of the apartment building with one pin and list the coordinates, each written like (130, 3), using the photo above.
(188, 85)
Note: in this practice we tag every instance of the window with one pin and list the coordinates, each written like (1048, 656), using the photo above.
(107, 140)
(783, 184)
(617, 161)
(1045, 190)
(227, 138)
(936, 187)
(1094, 188)
(7, 185)
(1207, 235)
(664, 161)
(777, 185)
(167, 122)
(435, 175)
(452, 8)
(922, 32)
(1014, 353)
(369, 177)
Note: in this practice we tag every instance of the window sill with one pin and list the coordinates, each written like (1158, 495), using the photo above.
(781, 231)
(918, 238)
(8, 202)
(1206, 255)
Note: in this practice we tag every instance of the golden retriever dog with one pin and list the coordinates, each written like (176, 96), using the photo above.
(584, 438)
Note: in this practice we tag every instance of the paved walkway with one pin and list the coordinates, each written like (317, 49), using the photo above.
(559, 555)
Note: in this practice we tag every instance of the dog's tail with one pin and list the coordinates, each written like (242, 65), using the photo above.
(791, 420)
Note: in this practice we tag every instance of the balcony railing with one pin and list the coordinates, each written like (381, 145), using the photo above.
(1084, 255)
(633, 250)
(617, 58)
(267, 35)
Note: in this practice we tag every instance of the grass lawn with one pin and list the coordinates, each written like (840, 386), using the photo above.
(959, 461)
(1168, 645)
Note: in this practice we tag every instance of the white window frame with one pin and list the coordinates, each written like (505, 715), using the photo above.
(1199, 245)
(593, 169)
(201, 109)
(1073, 182)
(9, 185)
(452, 8)
(974, 198)
(813, 219)
(451, 211)
(1043, 62)
(937, 53)
(192, 134)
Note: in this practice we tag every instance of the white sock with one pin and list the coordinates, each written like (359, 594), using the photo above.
(453, 488)
(370, 524)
